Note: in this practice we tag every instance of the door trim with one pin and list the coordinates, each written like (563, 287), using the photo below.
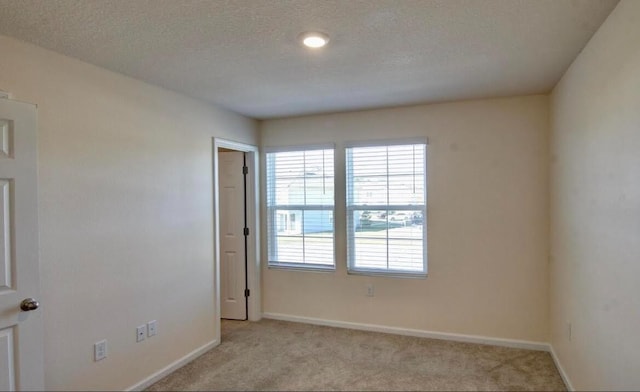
(253, 240)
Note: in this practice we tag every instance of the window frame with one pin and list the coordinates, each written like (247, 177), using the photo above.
(271, 210)
(351, 207)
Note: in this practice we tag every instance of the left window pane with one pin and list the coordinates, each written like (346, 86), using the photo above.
(300, 208)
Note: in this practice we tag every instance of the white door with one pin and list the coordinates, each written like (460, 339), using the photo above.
(21, 341)
(232, 242)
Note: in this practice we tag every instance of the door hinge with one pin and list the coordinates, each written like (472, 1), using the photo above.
(245, 170)
(247, 292)
(246, 231)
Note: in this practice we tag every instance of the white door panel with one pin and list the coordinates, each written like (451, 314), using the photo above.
(5, 236)
(232, 251)
(21, 344)
(7, 372)
(230, 288)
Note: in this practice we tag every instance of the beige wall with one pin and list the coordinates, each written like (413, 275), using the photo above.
(595, 200)
(125, 208)
(488, 222)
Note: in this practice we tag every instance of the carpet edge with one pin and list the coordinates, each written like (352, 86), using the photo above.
(513, 343)
(563, 374)
(146, 382)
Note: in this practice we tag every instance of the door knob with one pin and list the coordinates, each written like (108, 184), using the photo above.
(29, 304)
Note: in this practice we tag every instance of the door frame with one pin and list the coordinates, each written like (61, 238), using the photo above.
(253, 223)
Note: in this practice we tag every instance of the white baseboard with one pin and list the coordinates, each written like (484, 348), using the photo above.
(529, 345)
(173, 366)
(563, 374)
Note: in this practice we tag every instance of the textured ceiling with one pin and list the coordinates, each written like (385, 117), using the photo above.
(244, 54)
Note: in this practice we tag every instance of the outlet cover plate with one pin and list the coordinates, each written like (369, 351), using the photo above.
(370, 290)
(100, 350)
(141, 333)
(152, 328)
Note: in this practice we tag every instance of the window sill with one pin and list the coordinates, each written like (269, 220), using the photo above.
(389, 274)
(307, 267)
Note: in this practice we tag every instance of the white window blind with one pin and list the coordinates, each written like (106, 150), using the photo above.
(386, 209)
(300, 208)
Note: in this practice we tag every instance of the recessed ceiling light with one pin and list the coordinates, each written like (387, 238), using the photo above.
(314, 40)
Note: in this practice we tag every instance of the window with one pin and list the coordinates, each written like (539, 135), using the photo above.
(386, 209)
(300, 207)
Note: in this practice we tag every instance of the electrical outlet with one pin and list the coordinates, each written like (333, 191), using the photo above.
(370, 290)
(100, 350)
(141, 331)
(568, 331)
(152, 328)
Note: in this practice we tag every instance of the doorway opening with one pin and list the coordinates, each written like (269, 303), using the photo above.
(236, 210)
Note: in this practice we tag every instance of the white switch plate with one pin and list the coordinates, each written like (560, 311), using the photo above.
(141, 332)
(100, 350)
(152, 328)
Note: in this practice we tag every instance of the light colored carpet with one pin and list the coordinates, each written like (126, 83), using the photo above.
(278, 355)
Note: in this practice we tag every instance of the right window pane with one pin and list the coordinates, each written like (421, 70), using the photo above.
(386, 205)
